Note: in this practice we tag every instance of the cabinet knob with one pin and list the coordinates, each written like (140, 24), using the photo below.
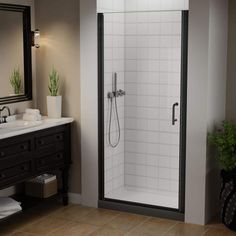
(23, 147)
(40, 142)
(58, 137)
(2, 154)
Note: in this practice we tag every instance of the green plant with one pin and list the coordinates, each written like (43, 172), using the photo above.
(224, 140)
(53, 83)
(15, 81)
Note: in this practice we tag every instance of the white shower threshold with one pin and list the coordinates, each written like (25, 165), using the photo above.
(144, 196)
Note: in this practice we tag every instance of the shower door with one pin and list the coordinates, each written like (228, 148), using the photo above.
(142, 110)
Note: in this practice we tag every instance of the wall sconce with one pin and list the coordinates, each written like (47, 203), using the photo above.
(36, 38)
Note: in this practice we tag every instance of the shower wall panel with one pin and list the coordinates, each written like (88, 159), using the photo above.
(113, 62)
(152, 84)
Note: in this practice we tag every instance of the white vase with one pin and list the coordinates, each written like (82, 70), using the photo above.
(54, 106)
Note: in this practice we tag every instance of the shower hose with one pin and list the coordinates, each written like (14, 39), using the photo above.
(115, 144)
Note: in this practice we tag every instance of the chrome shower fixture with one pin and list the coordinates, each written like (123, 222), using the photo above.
(114, 95)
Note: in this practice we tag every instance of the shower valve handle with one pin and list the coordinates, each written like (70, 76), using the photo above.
(173, 113)
(120, 93)
(111, 95)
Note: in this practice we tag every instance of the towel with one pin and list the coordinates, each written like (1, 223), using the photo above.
(32, 111)
(30, 117)
(8, 204)
(9, 213)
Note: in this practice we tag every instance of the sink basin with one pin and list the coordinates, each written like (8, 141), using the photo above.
(20, 124)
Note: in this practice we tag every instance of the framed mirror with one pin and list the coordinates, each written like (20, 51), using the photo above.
(15, 54)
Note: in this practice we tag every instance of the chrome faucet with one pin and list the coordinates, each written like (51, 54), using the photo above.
(3, 119)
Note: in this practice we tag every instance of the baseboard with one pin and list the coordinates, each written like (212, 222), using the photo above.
(74, 198)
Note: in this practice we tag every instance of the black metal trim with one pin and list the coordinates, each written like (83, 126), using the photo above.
(141, 204)
(26, 14)
(177, 214)
(141, 209)
(183, 111)
(101, 104)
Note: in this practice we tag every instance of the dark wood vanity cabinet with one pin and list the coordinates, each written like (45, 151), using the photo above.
(29, 155)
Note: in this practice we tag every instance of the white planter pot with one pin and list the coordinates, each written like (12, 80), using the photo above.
(54, 106)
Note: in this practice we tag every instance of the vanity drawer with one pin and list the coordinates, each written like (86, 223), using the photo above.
(13, 149)
(15, 173)
(49, 140)
(53, 160)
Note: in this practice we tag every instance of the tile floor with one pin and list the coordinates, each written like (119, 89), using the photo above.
(76, 220)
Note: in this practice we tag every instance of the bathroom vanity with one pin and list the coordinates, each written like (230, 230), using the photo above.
(29, 149)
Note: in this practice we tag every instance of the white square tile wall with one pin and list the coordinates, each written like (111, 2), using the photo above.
(145, 50)
(110, 5)
(141, 5)
(155, 5)
(113, 62)
(152, 84)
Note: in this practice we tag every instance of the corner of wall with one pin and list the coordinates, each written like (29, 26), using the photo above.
(89, 105)
(196, 123)
(231, 82)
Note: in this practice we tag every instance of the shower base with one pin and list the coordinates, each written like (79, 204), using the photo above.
(144, 196)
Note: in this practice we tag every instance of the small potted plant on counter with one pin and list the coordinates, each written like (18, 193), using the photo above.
(224, 140)
(54, 100)
(15, 81)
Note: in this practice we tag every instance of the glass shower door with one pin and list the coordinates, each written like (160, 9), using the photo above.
(144, 108)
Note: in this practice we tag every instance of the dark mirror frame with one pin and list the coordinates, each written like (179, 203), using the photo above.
(27, 39)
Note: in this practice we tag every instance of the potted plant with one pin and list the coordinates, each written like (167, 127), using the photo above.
(224, 140)
(15, 81)
(54, 100)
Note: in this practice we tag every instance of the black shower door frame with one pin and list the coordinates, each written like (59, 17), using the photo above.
(139, 208)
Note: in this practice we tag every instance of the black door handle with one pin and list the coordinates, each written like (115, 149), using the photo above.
(173, 113)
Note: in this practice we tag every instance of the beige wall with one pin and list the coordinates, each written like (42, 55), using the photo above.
(206, 103)
(58, 21)
(89, 101)
(197, 111)
(231, 83)
(217, 77)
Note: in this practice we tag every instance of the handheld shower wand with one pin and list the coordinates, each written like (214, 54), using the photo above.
(114, 83)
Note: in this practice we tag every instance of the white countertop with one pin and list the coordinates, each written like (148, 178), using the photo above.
(44, 124)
